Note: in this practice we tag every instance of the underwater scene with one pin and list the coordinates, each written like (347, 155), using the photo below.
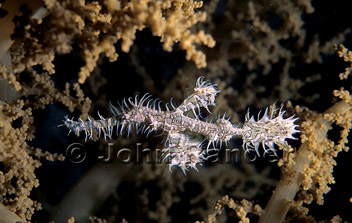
(175, 111)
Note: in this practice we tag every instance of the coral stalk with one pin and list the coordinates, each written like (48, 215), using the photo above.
(8, 216)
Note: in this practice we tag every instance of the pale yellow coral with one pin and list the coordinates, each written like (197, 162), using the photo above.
(314, 160)
(19, 159)
(241, 209)
(347, 56)
(96, 31)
